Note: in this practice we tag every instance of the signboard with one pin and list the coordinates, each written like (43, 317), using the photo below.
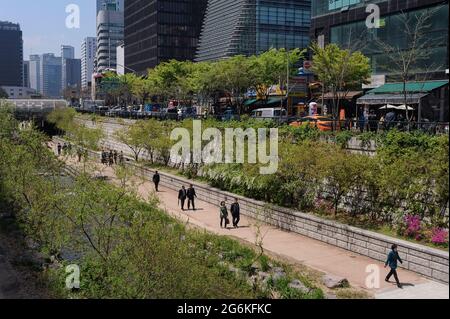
(298, 86)
(375, 82)
(338, 4)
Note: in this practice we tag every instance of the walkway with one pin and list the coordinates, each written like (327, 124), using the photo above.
(297, 248)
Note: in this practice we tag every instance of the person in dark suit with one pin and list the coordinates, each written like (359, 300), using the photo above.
(156, 180)
(391, 261)
(236, 213)
(191, 195)
(182, 194)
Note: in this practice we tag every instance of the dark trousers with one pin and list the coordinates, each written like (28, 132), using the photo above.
(183, 200)
(223, 221)
(393, 272)
(236, 220)
(191, 201)
(156, 185)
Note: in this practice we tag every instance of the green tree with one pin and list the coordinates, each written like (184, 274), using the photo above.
(133, 137)
(339, 71)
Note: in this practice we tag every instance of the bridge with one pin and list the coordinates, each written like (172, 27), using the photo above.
(37, 110)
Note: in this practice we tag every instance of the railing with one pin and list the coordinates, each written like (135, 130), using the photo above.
(374, 126)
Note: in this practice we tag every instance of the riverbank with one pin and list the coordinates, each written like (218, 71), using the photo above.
(21, 268)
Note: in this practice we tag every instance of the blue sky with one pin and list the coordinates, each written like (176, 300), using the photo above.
(43, 23)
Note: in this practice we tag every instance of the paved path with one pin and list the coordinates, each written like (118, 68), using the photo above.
(297, 248)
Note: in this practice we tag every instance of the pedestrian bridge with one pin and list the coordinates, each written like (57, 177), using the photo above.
(35, 109)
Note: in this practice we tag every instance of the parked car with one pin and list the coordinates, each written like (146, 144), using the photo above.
(323, 123)
(229, 115)
(274, 113)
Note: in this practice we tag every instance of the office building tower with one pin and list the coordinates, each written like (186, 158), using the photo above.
(248, 27)
(11, 54)
(110, 26)
(35, 72)
(26, 74)
(50, 75)
(158, 31)
(88, 52)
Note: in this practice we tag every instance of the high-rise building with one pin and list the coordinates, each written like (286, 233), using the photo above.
(250, 27)
(121, 59)
(26, 74)
(110, 26)
(35, 72)
(71, 73)
(103, 4)
(88, 52)
(344, 22)
(50, 75)
(67, 52)
(157, 31)
(11, 54)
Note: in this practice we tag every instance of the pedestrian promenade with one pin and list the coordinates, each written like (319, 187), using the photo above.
(294, 247)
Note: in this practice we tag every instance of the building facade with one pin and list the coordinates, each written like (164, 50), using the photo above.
(11, 54)
(344, 22)
(110, 28)
(35, 72)
(26, 74)
(67, 52)
(250, 27)
(158, 31)
(50, 75)
(88, 52)
(120, 59)
(104, 4)
(71, 73)
(19, 92)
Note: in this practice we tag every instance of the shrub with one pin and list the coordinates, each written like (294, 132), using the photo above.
(413, 227)
(439, 236)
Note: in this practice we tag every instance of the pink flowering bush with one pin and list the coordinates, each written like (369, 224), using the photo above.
(439, 236)
(413, 226)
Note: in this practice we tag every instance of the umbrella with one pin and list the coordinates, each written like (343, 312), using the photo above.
(388, 107)
(404, 108)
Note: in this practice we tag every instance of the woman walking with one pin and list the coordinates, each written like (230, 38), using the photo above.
(223, 215)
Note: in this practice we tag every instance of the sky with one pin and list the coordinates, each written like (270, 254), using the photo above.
(43, 24)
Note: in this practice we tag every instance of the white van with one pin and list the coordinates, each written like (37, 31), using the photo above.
(269, 113)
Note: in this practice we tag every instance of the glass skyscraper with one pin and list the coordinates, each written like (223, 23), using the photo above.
(161, 30)
(249, 27)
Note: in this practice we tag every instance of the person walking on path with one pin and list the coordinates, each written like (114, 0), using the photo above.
(182, 194)
(156, 180)
(121, 158)
(59, 148)
(223, 215)
(191, 195)
(391, 261)
(111, 158)
(116, 155)
(236, 213)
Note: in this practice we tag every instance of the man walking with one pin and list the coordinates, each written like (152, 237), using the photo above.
(182, 194)
(59, 147)
(156, 180)
(191, 194)
(236, 213)
(391, 261)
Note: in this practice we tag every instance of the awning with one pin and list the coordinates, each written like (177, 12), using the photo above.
(274, 100)
(380, 99)
(342, 95)
(393, 107)
(411, 87)
(250, 102)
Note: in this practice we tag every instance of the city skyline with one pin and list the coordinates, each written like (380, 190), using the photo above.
(50, 33)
